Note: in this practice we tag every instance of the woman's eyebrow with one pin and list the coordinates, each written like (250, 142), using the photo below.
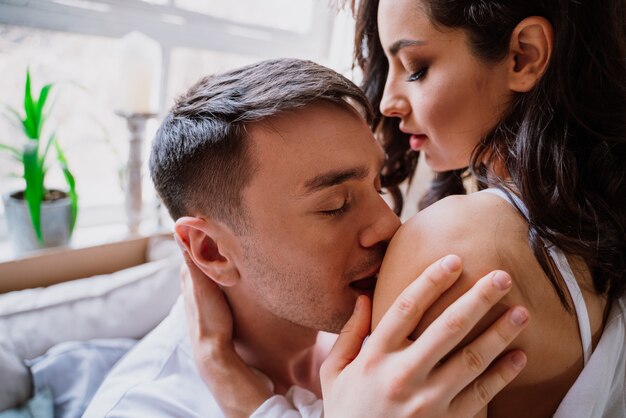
(404, 43)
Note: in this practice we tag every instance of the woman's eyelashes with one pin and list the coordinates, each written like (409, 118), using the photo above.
(418, 75)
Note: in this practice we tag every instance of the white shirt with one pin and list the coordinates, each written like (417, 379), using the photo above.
(600, 390)
(158, 378)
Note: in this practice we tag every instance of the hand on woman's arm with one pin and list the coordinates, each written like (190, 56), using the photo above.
(393, 376)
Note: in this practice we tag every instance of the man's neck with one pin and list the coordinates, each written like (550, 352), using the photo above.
(285, 352)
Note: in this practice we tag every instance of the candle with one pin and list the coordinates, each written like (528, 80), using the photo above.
(140, 74)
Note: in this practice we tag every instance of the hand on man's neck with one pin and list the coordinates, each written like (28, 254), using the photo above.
(287, 353)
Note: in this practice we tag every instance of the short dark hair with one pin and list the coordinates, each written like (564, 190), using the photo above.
(200, 160)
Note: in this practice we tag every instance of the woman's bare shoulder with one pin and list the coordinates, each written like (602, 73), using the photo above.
(481, 226)
(482, 229)
(488, 234)
(480, 213)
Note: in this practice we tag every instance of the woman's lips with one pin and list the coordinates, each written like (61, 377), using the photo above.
(417, 141)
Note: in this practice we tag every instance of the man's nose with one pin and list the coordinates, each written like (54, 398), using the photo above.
(394, 103)
(383, 226)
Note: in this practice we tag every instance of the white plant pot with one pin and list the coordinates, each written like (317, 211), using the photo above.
(56, 218)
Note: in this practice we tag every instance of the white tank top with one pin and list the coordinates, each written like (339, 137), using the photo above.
(600, 389)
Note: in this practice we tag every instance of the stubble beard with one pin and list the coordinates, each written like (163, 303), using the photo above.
(289, 292)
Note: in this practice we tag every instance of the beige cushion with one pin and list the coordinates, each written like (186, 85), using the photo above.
(128, 303)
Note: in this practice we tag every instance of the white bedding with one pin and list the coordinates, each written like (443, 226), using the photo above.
(125, 304)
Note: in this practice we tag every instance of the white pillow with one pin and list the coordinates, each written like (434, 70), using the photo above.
(128, 303)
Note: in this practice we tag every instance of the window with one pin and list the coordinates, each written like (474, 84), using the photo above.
(289, 15)
(76, 44)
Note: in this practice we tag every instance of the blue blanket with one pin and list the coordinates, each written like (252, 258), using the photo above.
(66, 378)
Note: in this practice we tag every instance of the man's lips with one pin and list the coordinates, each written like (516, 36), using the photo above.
(366, 284)
(365, 274)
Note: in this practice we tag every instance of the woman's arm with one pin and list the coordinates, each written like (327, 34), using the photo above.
(386, 360)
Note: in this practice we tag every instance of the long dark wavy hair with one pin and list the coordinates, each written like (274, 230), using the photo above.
(563, 143)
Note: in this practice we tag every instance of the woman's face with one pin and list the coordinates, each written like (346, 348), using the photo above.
(445, 97)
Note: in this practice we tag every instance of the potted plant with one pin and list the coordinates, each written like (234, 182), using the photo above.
(39, 217)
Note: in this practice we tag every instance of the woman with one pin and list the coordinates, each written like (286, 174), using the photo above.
(531, 97)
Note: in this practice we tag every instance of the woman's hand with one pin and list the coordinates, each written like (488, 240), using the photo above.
(236, 389)
(391, 376)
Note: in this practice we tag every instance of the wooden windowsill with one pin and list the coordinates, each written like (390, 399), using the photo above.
(56, 265)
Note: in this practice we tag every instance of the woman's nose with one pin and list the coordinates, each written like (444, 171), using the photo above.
(394, 102)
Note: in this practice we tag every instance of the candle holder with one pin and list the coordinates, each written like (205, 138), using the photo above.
(136, 123)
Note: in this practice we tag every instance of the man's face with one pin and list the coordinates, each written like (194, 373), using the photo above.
(318, 225)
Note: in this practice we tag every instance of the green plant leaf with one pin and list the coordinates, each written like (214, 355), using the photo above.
(12, 150)
(43, 96)
(69, 178)
(42, 120)
(41, 102)
(33, 174)
(42, 159)
(30, 122)
(18, 117)
(29, 129)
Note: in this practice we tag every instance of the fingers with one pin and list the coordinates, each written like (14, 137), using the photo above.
(473, 359)
(481, 392)
(207, 310)
(349, 342)
(407, 310)
(447, 331)
(196, 286)
(196, 319)
(187, 290)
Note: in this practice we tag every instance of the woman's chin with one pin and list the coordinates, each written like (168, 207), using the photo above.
(439, 166)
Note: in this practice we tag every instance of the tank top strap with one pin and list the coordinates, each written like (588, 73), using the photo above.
(509, 197)
(564, 268)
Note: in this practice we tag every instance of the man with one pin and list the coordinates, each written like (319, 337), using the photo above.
(272, 176)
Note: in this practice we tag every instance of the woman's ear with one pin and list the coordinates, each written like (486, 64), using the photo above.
(208, 245)
(530, 50)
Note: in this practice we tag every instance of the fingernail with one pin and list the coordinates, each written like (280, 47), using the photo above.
(451, 263)
(501, 280)
(180, 244)
(519, 360)
(519, 316)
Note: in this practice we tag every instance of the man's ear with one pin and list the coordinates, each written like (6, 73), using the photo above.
(209, 245)
(530, 51)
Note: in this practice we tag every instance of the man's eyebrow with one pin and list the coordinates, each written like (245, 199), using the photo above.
(334, 178)
(404, 43)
